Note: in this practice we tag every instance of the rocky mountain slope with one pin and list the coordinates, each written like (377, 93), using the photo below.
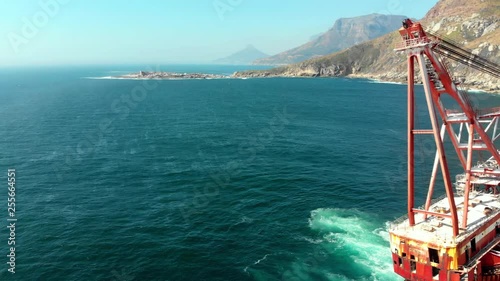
(245, 56)
(346, 32)
(474, 24)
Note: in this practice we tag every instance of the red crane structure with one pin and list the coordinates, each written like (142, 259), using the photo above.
(455, 237)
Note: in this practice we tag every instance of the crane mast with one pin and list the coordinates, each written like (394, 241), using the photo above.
(455, 237)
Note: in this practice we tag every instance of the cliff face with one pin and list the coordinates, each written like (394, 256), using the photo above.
(345, 33)
(474, 24)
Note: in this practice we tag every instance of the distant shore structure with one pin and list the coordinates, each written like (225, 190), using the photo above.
(171, 75)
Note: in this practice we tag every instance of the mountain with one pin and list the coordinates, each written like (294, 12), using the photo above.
(245, 56)
(346, 32)
(474, 24)
(315, 36)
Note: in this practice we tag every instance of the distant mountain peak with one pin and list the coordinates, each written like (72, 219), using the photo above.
(473, 24)
(245, 56)
(344, 33)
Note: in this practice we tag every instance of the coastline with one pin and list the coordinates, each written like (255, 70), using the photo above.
(143, 75)
(394, 81)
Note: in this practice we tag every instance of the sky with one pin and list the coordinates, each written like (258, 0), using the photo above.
(83, 32)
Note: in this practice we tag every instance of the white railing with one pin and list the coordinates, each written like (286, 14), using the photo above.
(413, 43)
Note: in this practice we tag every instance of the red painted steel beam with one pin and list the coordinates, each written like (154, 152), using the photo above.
(439, 145)
(411, 139)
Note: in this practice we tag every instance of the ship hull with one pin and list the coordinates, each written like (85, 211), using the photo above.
(474, 256)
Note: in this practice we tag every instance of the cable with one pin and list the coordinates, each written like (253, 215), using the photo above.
(450, 49)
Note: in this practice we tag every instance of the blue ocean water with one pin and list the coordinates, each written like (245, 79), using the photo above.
(223, 179)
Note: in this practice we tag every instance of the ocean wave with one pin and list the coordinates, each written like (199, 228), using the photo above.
(477, 91)
(132, 78)
(353, 239)
(257, 261)
(377, 81)
(102, 78)
(311, 240)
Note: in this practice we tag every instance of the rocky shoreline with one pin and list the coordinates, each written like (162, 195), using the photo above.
(480, 82)
(170, 75)
(485, 85)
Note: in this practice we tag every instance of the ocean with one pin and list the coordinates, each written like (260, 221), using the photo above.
(219, 179)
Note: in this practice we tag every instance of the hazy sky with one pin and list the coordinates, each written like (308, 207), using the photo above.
(48, 32)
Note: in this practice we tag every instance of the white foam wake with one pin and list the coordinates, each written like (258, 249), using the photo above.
(354, 247)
